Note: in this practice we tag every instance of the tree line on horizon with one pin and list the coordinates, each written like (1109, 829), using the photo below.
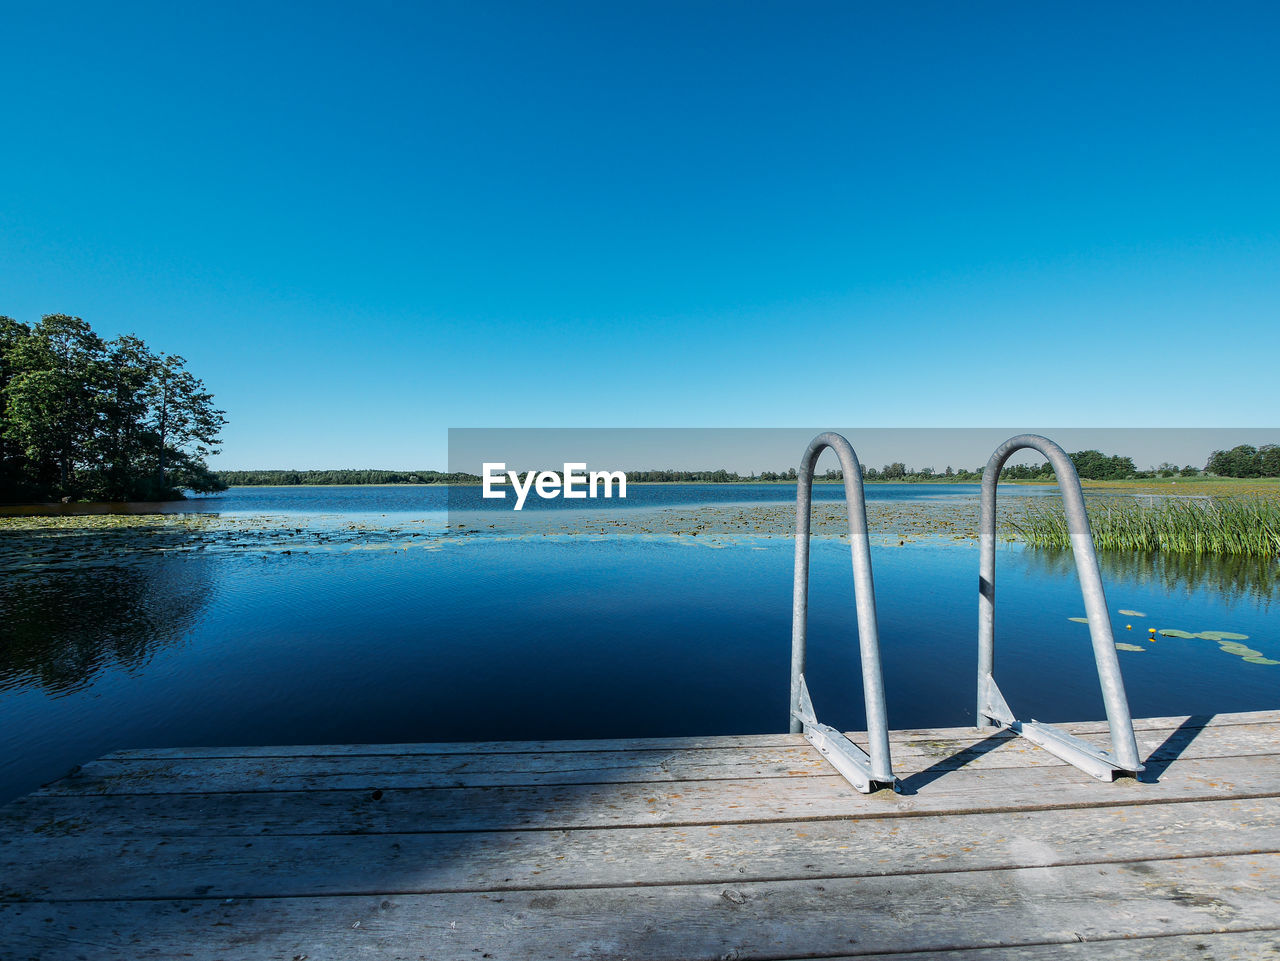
(1243, 461)
(83, 418)
(340, 477)
(1246, 461)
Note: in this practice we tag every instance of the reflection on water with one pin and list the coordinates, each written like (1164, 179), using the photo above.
(61, 629)
(1232, 578)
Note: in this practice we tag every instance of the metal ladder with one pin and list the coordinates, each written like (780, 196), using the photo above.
(866, 773)
(993, 711)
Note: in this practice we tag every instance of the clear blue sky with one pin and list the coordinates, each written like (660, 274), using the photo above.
(366, 223)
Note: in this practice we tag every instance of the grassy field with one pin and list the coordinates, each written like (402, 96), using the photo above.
(1213, 486)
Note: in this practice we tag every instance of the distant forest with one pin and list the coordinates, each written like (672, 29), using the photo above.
(291, 478)
(1090, 465)
(1246, 461)
(83, 418)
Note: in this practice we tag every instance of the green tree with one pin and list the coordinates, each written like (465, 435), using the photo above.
(83, 418)
(1095, 465)
(13, 462)
(1269, 460)
(126, 447)
(1043, 471)
(1240, 461)
(186, 425)
(52, 412)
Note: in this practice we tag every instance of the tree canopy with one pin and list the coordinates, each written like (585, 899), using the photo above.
(87, 418)
(1095, 465)
(1246, 461)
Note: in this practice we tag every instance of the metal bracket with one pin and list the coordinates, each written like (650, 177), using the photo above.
(853, 763)
(992, 703)
(1075, 751)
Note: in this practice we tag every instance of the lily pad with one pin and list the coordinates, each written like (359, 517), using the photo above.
(1240, 650)
(1129, 647)
(1222, 636)
(1132, 613)
(1170, 632)
(1260, 660)
(1079, 620)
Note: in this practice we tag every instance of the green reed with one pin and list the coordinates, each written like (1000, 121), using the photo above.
(1229, 525)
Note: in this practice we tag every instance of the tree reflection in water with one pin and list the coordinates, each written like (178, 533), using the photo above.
(1232, 578)
(64, 625)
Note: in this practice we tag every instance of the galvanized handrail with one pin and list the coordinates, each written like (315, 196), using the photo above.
(865, 773)
(993, 711)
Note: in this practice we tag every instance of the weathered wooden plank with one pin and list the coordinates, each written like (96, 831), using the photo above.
(125, 775)
(933, 912)
(465, 747)
(439, 770)
(110, 868)
(1236, 946)
(654, 743)
(627, 804)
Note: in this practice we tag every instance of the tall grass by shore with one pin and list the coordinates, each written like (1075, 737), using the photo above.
(1233, 525)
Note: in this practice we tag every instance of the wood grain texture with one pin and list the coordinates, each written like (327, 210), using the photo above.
(743, 847)
(1263, 945)
(124, 774)
(296, 866)
(661, 743)
(415, 810)
(849, 916)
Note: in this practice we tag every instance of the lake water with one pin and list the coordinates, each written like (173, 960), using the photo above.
(321, 615)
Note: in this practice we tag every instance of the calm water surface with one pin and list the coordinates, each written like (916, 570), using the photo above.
(171, 635)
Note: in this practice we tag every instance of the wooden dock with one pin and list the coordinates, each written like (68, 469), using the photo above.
(716, 848)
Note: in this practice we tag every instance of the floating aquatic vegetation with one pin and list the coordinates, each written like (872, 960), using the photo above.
(1239, 649)
(1131, 613)
(41, 544)
(1228, 642)
(890, 523)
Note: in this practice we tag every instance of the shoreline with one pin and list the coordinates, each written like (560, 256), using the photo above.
(1201, 487)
